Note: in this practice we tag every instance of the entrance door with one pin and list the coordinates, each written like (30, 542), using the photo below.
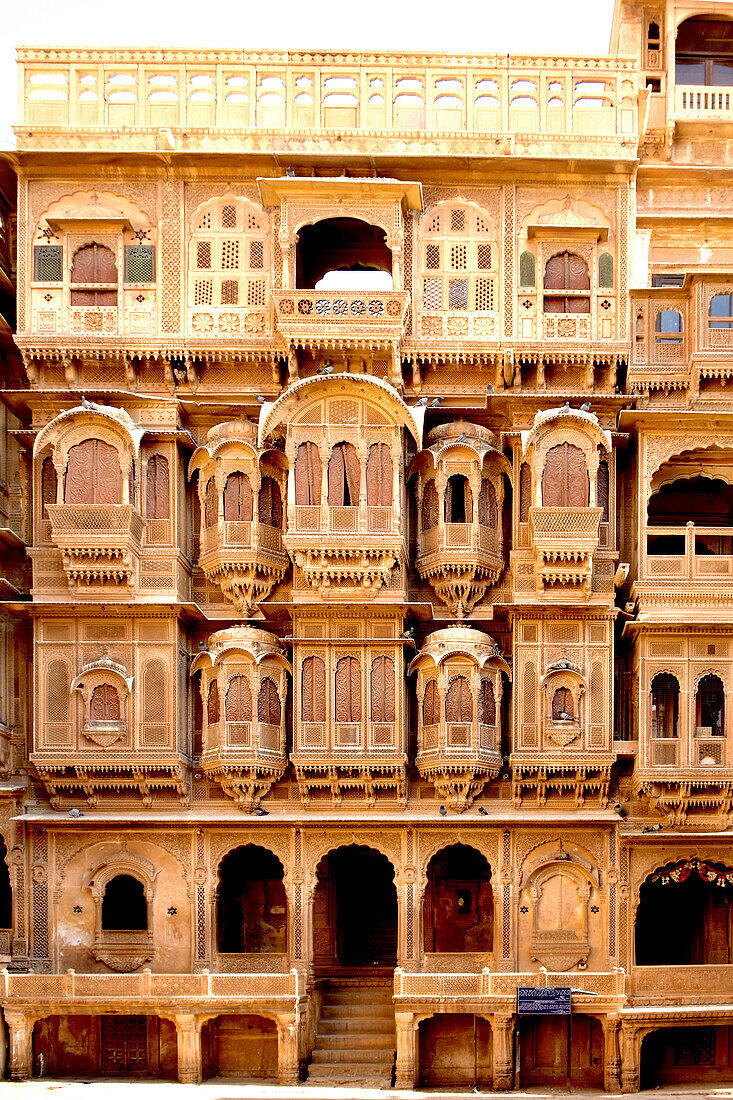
(355, 910)
(124, 1046)
(561, 1050)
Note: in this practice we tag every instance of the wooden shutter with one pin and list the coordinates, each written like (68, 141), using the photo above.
(348, 690)
(269, 505)
(313, 690)
(238, 702)
(459, 701)
(49, 484)
(93, 474)
(157, 492)
(487, 505)
(566, 271)
(212, 704)
(344, 474)
(565, 478)
(211, 504)
(379, 476)
(237, 498)
(486, 704)
(268, 703)
(93, 264)
(602, 486)
(429, 508)
(562, 703)
(431, 704)
(105, 704)
(525, 492)
(308, 474)
(382, 689)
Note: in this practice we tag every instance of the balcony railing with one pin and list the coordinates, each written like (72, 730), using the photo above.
(689, 553)
(305, 314)
(306, 519)
(700, 983)
(475, 986)
(703, 103)
(186, 988)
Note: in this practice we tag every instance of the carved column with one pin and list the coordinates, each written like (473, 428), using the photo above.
(502, 1027)
(188, 1033)
(287, 1050)
(406, 1077)
(611, 1054)
(630, 1045)
(20, 1029)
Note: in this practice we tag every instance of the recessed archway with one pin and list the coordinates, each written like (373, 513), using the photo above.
(561, 1050)
(251, 911)
(687, 1056)
(339, 245)
(458, 911)
(239, 1045)
(701, 897)
(355, 911)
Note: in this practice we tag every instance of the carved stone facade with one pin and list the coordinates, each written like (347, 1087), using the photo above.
(367, 563)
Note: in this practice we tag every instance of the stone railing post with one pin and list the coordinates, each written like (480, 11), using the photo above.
(611, 1054)
(629, 1058)
(287, 1049)
(20, 1028)
(406, 1077)
(503, 1068)
(188, 1034)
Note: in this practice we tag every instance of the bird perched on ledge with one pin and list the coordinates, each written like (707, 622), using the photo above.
(327, 368)
(436, 403)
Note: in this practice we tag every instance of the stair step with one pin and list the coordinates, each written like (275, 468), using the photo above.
(330, 1057)
(350, 1025)
(373, 1011)
(343, 1074)
(357, 1041)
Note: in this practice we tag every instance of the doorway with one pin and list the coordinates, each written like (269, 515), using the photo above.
(561, 1050)
(355, 911)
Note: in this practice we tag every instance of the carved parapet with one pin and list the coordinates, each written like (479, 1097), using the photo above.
(689, 796)
(99, 543)
(369, 318)
(584, 779)
(564, 542)
(124, 951)
(331, 568)
(77, 775)
(352, 774)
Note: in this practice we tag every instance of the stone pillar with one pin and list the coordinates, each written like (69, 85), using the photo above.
(611, 1055)
(188, 1033)
(503, 1052)
(630, 1047)
(20, 1029)
(287, 1050)
(406, 1077)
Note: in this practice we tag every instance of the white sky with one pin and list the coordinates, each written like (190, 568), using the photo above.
(511, 26)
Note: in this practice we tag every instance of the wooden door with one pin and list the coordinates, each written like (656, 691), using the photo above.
(93, 474)
(568, 272)
(124, 1046)
(565, 478)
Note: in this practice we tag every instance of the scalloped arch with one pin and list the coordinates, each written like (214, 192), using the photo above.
(97, 206)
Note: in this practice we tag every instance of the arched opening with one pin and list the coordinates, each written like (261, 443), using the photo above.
(700, 895)
(563, 706)
(211, 504)
(269, 504)
(669, 327)
(355, 911)
(341, 246)
(568, 283)
(458, 500)
(721, 311)
(308, 475)
(560, 1050)
(687, 1056)
(344, 476)
(93, 474)
(455, 1050)
(94, 276)
(105, 704)
(6, 892)
(238, 700)
(237, 498)
(157, 491)
(704, 52)
(105, 1046)
(379, 480)
(665, 706)
(710, 708)
(459, 701)
(565, 482)
(251, 905)
(313, 690)
(488, 509)
(706, 502)
(269, 709)
(458, 910)
(348, 690)
(124, 905)
(239, 1045)
(49, 484)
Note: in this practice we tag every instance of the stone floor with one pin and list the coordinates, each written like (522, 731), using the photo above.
(229, 1089)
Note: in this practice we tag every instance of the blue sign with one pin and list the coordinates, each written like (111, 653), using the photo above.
(543, 1002)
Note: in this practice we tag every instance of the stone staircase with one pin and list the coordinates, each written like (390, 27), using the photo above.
(355, 1041)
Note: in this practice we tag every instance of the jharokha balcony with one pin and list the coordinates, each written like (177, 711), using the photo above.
(98, 542)
(564, 541)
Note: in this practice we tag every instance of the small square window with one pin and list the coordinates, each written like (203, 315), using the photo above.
(256, 254)
(139, 263)
(458, 221)
(47, 263)
(256, 292)
(484, 257)
(432, 257)
(432, 294)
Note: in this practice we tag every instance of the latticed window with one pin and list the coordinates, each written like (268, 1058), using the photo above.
(565, 478)
(458, 261)
(602, 489)
(665, 705)
(211, 503)
(486, 704)
(268, 703)
(48, 263)
(382, 689)
(567, 275)
(93, 474)
(379, 476)
(710, 705)
(270, 505)
(105, 704)
(228, 256)
(94, 276)
(237, 498)
(488, 511)
(348, 690)
(430, 506)
(431, 704)
(238, 701)
(308, 474)
(139, 263)
(49, 484)
(525, 492)
(212, 704)
(563, 707)
(459, 701)
(157, 492)
(313, 690)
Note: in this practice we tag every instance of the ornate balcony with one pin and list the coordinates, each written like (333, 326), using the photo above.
(328, 317)
(698, 984)
(564, 542)
(98, 542)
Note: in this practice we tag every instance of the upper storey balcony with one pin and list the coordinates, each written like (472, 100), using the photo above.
(230, 102)
(703, 84)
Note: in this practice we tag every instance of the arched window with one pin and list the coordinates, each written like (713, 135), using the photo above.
(348, 690)
(602, 488)
(238, 701)
(487, 506)
(458, 500)
(105, 704)
(431, 704)
(563, 707)
(251, 904)
(308, 474)
(710, 706)
(382, 689)
(211, 503)
(605, 271)
(313, 690)
(486, 704)
(704, 52)
(652, 36)
(124, 905)
(268, 703)
(93, 474)
(94, 277)
(212, 704)
(269, 504)
(157, 494)
(237, 498)
(565, 478)
(525, 492)
(430, 504)
(721, 311)
(526, 269)
(458, 261)
(228, 256)
(379, 476)
(670, 326)
(459, 701)
(568, 274)
(344, 475)
(49, 484)
(665, 705)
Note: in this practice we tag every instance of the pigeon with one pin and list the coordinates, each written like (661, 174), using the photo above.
(566, 717)
(436, 403)
(483, 811)
(490, 388)
(409, 632)
(91, 405)
(290, 172)
(566, 408)
(75, 812)
(462, 438)
(585, 407)
(617, 389)
(443, 811)
(421, 403)
(327, 368)
(261, 812)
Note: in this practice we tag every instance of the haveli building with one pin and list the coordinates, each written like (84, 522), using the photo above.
(366, 646)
